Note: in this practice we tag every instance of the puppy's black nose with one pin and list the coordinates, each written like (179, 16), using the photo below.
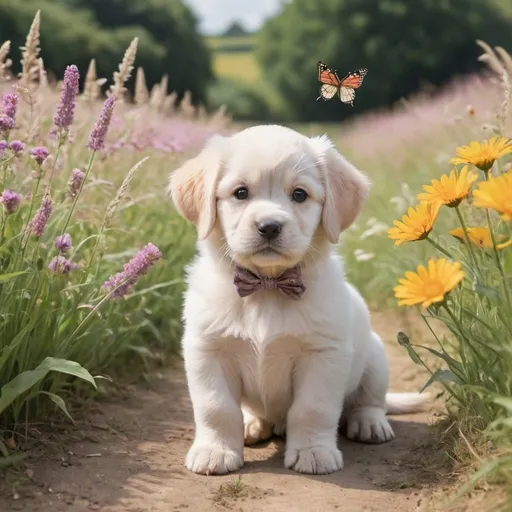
(269, 229)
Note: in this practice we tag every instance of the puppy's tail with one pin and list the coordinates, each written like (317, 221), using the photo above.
(404, 403)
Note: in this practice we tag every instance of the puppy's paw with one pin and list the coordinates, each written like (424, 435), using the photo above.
(315, 460)
(369, 425)
(212, 460)
(256, 430)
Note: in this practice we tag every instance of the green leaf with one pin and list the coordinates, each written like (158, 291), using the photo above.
(12, 275)
(441, 376)
(59, 402)
(412, 354)
(481, 289)
(449, 360)
(26, 380)
(504, 402)
(69, 367)
(21, 383)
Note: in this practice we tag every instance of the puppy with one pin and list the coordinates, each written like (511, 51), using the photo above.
(275, 339)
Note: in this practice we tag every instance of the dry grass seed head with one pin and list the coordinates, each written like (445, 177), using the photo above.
(125, 69)
(30, 53)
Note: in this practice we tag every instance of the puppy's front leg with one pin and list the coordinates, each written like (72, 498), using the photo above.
(215, 392)
(312, 422)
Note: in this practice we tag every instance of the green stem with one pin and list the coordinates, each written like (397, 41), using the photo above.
(498, 259)
(72, 209)
(468, 242)
(439, 248)
(2, 231)
(24, 239)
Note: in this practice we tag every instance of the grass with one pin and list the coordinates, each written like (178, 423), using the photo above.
(237, 65)
(233, 57)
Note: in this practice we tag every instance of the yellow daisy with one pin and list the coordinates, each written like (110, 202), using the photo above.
(480, 236)
(428, 285)
(449, 190)
(483, 155)
(496, 193)
(416, 225)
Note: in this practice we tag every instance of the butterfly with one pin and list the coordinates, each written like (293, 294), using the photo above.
(331, 83)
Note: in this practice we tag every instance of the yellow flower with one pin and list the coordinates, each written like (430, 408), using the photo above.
(480, 236)
(496, 193)
(428, 285)
(483, 155)
(450, 190)
(416, 225)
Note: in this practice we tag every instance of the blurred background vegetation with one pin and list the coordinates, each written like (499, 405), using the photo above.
(271, 75)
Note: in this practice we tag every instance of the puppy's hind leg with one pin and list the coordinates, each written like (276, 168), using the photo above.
(365, 416)
(255, 429)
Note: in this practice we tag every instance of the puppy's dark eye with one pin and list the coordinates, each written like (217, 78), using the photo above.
(299, 195)
(241, 193)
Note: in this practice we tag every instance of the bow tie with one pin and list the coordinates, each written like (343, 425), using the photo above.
(289, 282)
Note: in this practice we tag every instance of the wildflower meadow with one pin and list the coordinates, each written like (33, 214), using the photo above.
(84, 218)
(92, 252)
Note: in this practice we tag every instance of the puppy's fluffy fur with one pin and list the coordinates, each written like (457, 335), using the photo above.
(266, 362)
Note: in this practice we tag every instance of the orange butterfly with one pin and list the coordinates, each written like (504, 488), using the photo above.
(331, 83)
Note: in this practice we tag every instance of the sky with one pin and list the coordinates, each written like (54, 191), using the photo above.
(216, 15)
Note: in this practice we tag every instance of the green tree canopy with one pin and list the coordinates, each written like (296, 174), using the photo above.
(403, 43)
(186, 59)
(74, 31)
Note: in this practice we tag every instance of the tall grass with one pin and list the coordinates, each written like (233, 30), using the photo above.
(59, 324)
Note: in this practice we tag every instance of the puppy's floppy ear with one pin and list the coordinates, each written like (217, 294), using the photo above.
(346, 188)
(193, 187)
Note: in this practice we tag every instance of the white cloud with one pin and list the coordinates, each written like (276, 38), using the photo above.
(216, 15)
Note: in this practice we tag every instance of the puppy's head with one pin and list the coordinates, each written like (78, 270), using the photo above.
(268, 195)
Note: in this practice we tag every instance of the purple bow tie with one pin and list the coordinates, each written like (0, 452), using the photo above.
(289, 282)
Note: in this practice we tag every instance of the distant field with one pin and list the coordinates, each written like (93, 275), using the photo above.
(233, 57)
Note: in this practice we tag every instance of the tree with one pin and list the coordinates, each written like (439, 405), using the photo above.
(403, 44)
(236, 29)
(172, 24)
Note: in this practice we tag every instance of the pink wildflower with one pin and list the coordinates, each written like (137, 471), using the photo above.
(120, 284)
(75, 182)
(99, 132)
(66, 108)
(10, 200)
(38, 224)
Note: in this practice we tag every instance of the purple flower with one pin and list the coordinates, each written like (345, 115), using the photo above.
(75, 182)
(99, 132)
(38, 224)
(9, 105)
(6, 123)
(120, 284)
(17, 146)
(63, 242)
(3, 145)
(61, 265)
(66, 107)
(39, 154)
(10, 200)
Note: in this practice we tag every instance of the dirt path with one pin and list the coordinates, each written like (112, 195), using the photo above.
(130, 459)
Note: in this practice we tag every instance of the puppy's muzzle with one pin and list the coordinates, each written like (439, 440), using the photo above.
(269, 229)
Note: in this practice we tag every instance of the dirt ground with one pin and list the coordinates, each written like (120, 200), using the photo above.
(129, 454)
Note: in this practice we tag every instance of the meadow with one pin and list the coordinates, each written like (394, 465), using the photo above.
(233, 57)
(92, 252)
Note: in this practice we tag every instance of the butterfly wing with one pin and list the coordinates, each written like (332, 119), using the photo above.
(347, 95)
(350, 83)
(327, 75)
(327, 91)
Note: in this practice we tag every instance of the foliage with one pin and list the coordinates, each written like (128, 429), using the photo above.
(403, 44)
(58, 316)
(79, 30)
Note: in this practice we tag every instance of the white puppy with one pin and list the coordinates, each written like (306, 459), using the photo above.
(275, 338)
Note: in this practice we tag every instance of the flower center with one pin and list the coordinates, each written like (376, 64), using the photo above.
(433, 288)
